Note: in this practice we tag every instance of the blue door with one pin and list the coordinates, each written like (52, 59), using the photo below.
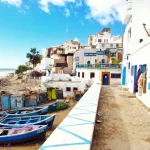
(105, 79)
(103, 61)
(124, 76)
(5, 102)
(135, 75)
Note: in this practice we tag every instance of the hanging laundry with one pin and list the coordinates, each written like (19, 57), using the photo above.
(136, 82)
(140, 84)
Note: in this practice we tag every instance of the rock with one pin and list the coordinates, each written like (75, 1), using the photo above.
(98, 121)
(67, 101)
(100, 114)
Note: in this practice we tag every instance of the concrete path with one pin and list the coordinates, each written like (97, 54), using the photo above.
(125, 122)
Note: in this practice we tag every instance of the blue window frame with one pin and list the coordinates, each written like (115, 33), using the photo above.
(143, 68)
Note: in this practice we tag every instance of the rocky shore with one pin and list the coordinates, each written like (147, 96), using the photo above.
(19, 84)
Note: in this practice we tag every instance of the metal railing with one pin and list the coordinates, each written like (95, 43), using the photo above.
(99, 66)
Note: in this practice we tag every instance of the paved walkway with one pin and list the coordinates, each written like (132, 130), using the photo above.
(125, 122)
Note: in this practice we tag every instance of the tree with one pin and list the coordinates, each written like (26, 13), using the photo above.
(21, 69)
(34, 57)
(115, 61)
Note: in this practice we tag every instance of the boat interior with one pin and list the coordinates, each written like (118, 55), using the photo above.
(24, 111)
(10, 131)
(23, 120)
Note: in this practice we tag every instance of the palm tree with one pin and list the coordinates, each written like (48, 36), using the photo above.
(34, 57)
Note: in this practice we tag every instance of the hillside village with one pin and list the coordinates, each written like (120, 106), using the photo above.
(105, 83)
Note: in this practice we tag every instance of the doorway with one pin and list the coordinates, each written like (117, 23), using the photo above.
(135, 75)
(105, 78)
(124, 76)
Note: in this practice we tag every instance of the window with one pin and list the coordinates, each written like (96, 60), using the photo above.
(75, 89)
(92, 75)
(116, 75)
(129, 34)
(100, 40)
(82, 74)
(68, 89)
(117, 45)
(103, 45)
(111, 45)
(78, 74)
(106, 41)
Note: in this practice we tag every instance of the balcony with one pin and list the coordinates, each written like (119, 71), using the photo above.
(128, 12)
(99, 66)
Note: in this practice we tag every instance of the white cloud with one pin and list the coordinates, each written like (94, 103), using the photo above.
(44, 3)
(12, 2)
(67, 12)
(79, 3)
(105, 12)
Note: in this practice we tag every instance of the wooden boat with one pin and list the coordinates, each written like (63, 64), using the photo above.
(26, 112)
(17, 135)
(28, 120)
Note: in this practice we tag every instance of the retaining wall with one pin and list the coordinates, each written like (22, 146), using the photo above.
(76, 131)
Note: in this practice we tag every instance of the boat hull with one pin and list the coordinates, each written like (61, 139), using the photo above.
(47, 121)
(19, 138)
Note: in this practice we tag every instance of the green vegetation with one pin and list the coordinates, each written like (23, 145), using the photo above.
(21, 69)
(61, 106)
(115, 61)
(34, 57)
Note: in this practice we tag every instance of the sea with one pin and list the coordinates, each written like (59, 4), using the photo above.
(6, 71)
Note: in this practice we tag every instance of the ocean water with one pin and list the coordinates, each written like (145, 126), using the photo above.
(5, 71)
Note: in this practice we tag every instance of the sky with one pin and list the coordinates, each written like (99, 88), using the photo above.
(25, 24)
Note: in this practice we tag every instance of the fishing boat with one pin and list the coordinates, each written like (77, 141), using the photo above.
(18, 135)
(28, 120)
(29, 111)
(26, 112)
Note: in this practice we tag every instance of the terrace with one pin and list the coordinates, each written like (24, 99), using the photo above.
(99, 66)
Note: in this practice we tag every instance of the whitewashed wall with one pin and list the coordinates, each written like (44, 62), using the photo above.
(98, 74)
(139, 52)
(54, 81)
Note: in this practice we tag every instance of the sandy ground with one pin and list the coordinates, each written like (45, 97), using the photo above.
(125, 122)
(35, 145)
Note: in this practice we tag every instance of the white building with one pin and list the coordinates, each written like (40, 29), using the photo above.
(137, 48)
(107, 74)
(71, 46)
(64, 82)
(104, 40)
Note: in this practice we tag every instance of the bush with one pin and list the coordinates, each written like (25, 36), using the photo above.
(21, 69)
(61, 106)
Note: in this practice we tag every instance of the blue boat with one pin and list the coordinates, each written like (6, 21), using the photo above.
(28, 120)
(26, 112)
(29, 111)
(18, 135)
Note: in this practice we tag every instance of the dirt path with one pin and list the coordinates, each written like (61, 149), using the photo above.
(125, 122)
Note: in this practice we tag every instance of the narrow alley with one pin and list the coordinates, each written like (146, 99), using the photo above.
(124, 124)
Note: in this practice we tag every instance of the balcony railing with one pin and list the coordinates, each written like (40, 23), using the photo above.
(99, 66)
